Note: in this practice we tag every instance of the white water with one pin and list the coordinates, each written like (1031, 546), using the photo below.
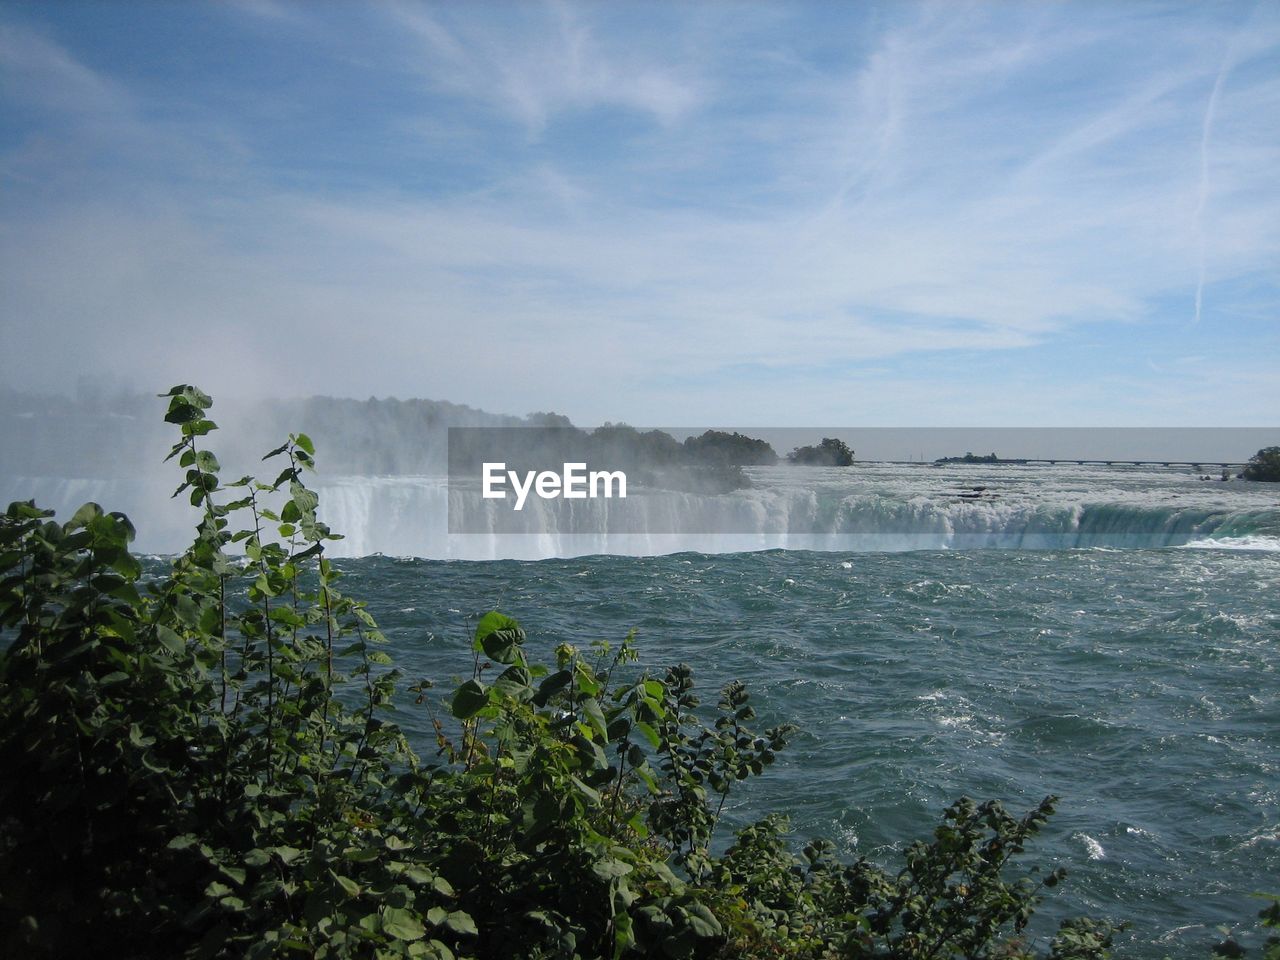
(868, 507)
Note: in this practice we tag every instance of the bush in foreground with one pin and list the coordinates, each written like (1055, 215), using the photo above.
(206, 765)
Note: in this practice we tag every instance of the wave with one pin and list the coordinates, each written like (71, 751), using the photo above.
(1253, 543)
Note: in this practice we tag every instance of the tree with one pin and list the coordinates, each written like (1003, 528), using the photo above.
(1263, 465)
(716, 446)
(829, 453)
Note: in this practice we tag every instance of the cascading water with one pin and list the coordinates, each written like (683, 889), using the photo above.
(866, 508)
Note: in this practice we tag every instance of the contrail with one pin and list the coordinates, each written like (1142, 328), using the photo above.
(1206, 132)
(1202, 199)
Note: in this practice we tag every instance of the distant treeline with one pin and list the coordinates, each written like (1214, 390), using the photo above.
(970, 458)
(709, 463)
(114, 435)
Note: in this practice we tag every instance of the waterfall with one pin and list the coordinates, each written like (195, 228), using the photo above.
(784, 508)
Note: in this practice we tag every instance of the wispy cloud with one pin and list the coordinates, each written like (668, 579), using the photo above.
(1248, 38)
(43, 75)
(554, 62)
(639, 211)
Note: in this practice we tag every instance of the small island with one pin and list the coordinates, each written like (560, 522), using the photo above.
(1263, 465)
(975, 458)
(831, 452)
(717, 446)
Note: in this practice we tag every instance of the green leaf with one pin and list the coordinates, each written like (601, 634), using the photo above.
(460, 921)
(181, 412)
(498, 636)
(647, 731)
(644, 772)
(586, 791)
(307, 500)
(349, 886)
(491, 621)
(636, 823)
(592, 753)
(586, 681)
(84, 516)
(595, 716)
(402, 924)
(514, 682)
(702, 921)
(619, 728)
(624, 937)
(470, 699)
(286, 854)
(610, 869)
(551, 686)
(169, 639)
(190, 394)
(502, 645)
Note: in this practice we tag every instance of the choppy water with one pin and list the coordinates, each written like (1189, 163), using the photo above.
(1140, 685)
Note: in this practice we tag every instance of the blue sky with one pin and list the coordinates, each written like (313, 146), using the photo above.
(736, 213)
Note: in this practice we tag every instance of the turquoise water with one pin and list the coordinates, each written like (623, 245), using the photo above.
(1140, 685)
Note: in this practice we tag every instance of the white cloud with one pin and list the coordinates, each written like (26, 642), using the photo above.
(553, 64)
(944, 191)
(44, 76)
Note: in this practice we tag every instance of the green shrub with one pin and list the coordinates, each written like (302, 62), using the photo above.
(205, 764)
(1263, 465)
(831, 452)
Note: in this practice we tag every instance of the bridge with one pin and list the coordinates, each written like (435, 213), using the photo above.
(1196, 464)
(1117, 462)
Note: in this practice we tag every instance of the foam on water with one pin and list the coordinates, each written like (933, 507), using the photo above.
(865, 508)
(1092, 846)
(1260, 543)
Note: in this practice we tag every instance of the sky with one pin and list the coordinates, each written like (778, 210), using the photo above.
(778, 214)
